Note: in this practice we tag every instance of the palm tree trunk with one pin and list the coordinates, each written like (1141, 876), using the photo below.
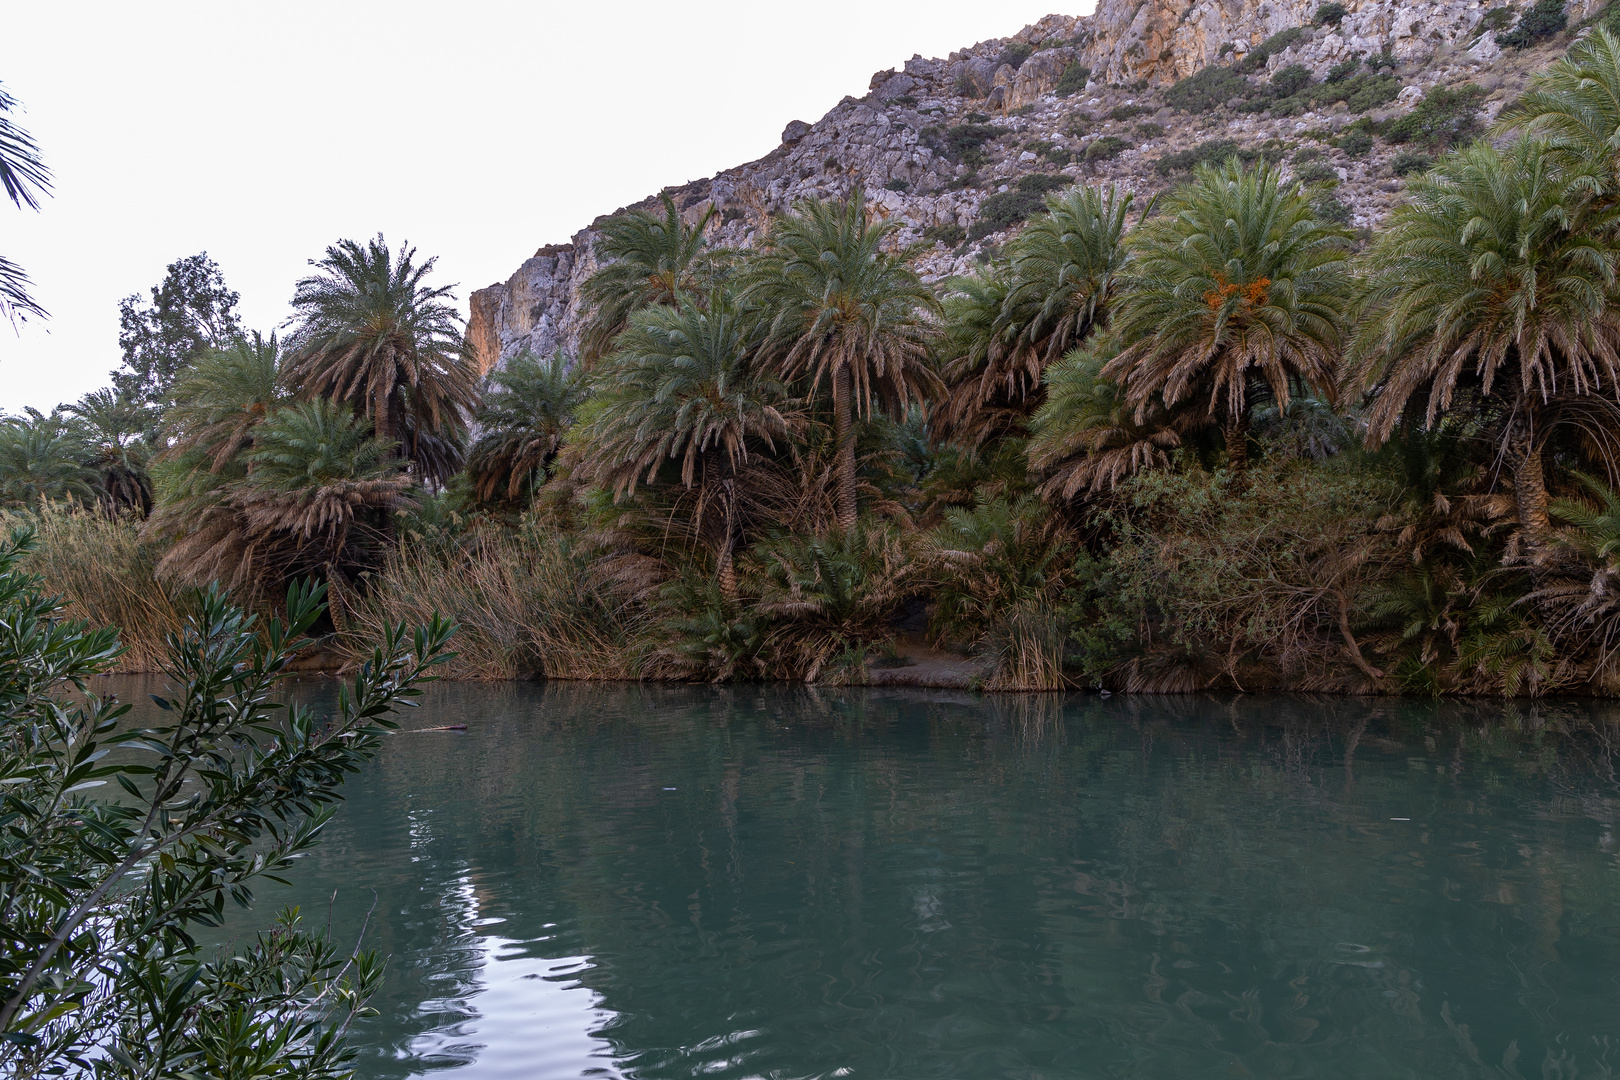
(382, 417)
(1237, 450)
(844, 432)
(1529, 481)
(727, 565)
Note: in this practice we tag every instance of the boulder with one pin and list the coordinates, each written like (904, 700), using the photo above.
(795, 131)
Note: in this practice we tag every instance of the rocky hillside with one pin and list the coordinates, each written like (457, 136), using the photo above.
(962, 149)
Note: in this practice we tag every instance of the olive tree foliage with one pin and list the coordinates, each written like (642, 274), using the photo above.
(117, 843)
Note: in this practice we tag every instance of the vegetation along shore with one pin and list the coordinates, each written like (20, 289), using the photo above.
(1198, 433)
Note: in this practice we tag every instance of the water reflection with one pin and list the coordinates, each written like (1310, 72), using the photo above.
(668, 882)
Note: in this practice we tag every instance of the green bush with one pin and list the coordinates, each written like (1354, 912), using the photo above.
(1496, 19)
(1290, 80)
(950, 235)
(1368, 92)
(1207, 89)
(1073, 80)
(1356, 143)
(897, 184)
(1410, 161)
(977, 118)
(1125, 112)
(1330, 14)
(1007, 208)
(1015, 54)
(1212, 151)
(1109, 146)
(1316, 172)
(965, 142)
(1385, 59)
(1149, 131)
(1308, 153)
(1542, 21)
(1343, 69)
(1276, 43)
(1332, 209)
(1445, 117)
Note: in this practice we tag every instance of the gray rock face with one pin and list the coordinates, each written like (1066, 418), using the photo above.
(1134, 48)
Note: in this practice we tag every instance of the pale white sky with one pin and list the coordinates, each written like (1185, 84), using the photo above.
(261, 132)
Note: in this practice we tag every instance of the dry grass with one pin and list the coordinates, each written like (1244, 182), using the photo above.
(527, 605)
(105, 574)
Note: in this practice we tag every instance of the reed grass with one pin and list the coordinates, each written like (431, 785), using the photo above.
(526, 606)
(105, 574)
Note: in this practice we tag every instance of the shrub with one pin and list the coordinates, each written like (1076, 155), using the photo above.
(978, 118)
(950, 235)
(1109, 146)
(1211, 150)
(1276, 43)
(1290, 80)
(1015, 54)
(1207, 89)
(908, 100)
(1316, 172)
(1331, 13)
(1125, 112)
(1308, 153)
(104, 894)
(1542, 21)
(1445, 117)
(1370, 91)
(1410, 161)
(1356, 143)
(1149, 131)
(965, 142)
(1006, 209)
(1343, 69)
(1042, 183)
(1073, 80)
(1497, 19)
(1332, 209)
(1050, 151)
(897, 184)
(1385, 59)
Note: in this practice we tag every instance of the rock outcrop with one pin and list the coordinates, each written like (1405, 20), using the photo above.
(957, 148)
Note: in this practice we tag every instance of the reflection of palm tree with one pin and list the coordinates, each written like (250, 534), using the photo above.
(1495, 278)
(680, 387)
(372, 335)
(843, 309)
(1239, 281)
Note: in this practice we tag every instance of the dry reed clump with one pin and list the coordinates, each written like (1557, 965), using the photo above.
(105, 573)
(525, 605)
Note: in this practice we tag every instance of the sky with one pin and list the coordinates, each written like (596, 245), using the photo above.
(478, 131)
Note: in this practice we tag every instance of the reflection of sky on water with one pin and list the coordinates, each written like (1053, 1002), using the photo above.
(518, 1013)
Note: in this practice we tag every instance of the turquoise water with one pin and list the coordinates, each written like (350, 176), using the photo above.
(730, 883)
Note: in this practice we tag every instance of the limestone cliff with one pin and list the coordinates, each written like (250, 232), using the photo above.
(935, 142)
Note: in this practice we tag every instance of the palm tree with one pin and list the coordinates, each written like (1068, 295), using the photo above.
(682, 388)
(23, 178)
(222, 397)
(649, 260)
(311, 496)
(980, 402)
(1238, 283)
(112, 426)
(527, 406)
(1085, 438)
(841, 309)
(1493, 284)
(40, 461)
(1574, 105)
(372, 335)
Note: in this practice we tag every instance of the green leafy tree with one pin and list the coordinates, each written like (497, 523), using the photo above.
(648, 259)
(100, 973)
(682, 389)
(1492, 286)
(1238, 287)
(24, 178)
(843, 311)
(190, 310)
(528, 405)
(371, 334)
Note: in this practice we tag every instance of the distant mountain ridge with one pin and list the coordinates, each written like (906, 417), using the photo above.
(961, 149)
